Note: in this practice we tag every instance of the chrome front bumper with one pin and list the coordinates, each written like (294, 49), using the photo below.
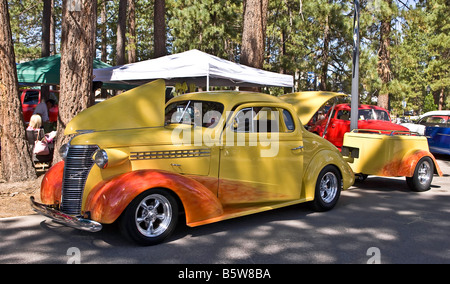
(52, 212)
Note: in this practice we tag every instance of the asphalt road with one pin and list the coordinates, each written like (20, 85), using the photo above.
(377, 221)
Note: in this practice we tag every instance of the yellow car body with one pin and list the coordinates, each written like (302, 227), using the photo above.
(129, 149)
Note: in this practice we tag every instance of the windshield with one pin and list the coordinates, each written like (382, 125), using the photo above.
(197, 113)
(373, 114)
(364, 114)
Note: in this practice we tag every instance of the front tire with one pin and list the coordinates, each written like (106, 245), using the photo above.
(328, 189)
(150, 218)
(423, 175)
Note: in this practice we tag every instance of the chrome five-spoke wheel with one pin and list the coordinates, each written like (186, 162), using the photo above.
(328, 189)
(151, 217)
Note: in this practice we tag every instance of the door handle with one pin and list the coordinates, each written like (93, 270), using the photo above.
(297, 148)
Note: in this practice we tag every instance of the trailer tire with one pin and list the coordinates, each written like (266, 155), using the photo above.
(423, 175)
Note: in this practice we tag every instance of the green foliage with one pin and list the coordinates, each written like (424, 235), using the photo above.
(429, 104)
(295, 41)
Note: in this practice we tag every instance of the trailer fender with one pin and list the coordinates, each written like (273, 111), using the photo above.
(109, 199)
(406, 165)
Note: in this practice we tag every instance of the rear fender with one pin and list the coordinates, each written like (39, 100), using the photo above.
(321, 160)
(108, 199)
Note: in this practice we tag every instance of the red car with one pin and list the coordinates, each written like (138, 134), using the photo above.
(30, 98)
(370, 117)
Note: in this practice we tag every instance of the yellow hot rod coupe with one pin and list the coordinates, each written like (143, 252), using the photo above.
(211, 155)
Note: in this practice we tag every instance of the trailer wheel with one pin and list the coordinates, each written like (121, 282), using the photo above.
(423, 175)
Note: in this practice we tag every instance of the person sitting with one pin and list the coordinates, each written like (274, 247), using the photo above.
(36, 125)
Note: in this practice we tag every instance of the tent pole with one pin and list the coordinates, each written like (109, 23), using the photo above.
(207, 82)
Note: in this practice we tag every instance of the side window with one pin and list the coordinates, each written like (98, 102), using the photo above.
(31, 98)
(257, 119)
(435, 121)
(288, 121)
(344, 115)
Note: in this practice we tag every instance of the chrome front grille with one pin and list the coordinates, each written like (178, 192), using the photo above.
(77, 165)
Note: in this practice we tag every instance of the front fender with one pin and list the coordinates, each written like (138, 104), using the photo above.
(320, 160)
(52, 184)
(109, 198)
(407, 164)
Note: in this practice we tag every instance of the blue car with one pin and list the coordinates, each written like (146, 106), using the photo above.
(437, 130)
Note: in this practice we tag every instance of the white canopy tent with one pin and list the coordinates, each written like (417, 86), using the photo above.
(195, 67)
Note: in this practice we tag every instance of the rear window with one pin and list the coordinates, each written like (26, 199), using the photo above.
(198, 113)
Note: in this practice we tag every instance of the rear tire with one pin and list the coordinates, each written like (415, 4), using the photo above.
(328, 189)
(150, 218)
(423, 175)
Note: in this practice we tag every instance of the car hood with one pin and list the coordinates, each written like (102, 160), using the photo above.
(140, 107)
(306, 104)
(172, 135)
(380, 125)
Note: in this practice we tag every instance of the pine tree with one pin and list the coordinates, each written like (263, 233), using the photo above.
(77, 56)
(15, 152)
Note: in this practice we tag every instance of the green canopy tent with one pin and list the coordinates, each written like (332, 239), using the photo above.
(45, 71)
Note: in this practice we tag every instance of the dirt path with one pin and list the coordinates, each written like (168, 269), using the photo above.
(15, 196)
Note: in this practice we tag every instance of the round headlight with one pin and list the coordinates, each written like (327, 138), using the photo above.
(101, 159)
(63, 150)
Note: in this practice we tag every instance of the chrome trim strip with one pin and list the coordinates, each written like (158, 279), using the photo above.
(76, 222)
(170, 154)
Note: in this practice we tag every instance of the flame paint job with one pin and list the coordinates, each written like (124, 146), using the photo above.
(109, 198)
(52, 184)
(406, 166)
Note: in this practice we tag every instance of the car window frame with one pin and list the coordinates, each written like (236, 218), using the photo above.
(283, 129)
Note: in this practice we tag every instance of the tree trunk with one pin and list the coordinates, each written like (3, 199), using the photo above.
(15, 150)
(104, 38)
(46, 27)
(45, 40)
(253, 34)
(121, 28)
(77, 56)
(160, 28)
(384, 60)
(441, 99)
(132, 31)
(52, 29)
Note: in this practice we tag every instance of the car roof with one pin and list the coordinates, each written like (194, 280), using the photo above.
(436, 112)
(228, 98)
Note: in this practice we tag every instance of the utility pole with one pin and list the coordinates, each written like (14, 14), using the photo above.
(355, 73)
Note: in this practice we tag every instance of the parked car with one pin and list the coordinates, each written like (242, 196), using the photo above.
(432, 119)
(30, 98)
(211, 155)
(436, 127)
(370, 117)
